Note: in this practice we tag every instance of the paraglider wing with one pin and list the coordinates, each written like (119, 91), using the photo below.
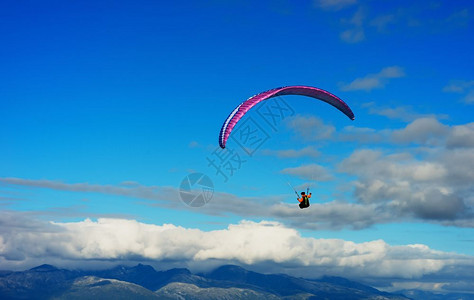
(308, 91)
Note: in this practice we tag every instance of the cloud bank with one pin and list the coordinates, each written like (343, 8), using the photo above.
(25, 242)
(422, 172)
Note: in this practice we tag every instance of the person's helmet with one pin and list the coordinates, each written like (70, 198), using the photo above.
(302, 193)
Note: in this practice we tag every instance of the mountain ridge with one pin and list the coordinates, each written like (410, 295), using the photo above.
(227, 282)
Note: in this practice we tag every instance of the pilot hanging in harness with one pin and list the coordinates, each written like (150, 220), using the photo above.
(304, 200)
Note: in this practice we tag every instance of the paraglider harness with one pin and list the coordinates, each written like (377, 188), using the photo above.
(305, 202)
(305, 198)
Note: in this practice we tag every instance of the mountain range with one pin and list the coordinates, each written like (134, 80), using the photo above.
(144, 282)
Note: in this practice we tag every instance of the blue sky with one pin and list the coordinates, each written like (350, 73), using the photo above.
(106, 107)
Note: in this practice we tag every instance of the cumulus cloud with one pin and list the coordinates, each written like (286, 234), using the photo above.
(333, 215)
(310, 128)
(431, 181)
(374, 81)
(422, 131)
(431, 132)
(436, 204)
(247, 243)
(433, 188)
(461, 136)
(460, 166)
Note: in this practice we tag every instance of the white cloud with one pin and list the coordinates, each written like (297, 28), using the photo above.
(223, 204)
(193, 144)
(309, 172)
(381, 22)
(460, 166)
(363, 135)
(353, 35)
(374, 81)
(458, 86)
(469, 98)
(334, 4)
(403, 113)
(293, 153)
(458, 18)
(247, 242)
(310, 128)
(461, 136)
(391, 72)
(431, 132)
(124, 189)
(423, 131)
(395, 113)
(390, 185)
(434, 187)
(333, 215)
(432, 182)
(356, 33)
(462, 87)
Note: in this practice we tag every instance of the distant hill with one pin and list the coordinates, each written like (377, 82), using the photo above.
(424, 295)
(144, 282)
(90, 287)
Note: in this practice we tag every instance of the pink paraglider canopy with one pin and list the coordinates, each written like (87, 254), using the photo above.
(308, 91)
